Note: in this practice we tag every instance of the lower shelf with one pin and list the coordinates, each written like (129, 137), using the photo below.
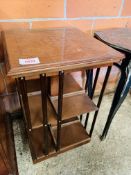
(73, 135)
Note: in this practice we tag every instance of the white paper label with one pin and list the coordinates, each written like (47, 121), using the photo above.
(26, 61)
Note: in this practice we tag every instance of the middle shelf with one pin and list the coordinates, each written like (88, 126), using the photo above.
(72, 106)
(75, 105)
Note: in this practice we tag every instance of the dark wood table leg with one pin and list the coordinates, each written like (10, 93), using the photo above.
(121, 92)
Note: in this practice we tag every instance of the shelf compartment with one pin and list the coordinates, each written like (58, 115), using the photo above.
(75, 105)
(33, 85)
(35, 105)
(70, 85)
(73, 134)
(36, 145)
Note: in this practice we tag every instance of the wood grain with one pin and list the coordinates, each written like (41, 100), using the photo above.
(57, 49)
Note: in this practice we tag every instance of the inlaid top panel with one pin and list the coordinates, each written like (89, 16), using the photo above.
(57, 49)
(117, 37)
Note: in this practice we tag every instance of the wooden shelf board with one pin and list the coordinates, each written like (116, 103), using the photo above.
(75, 105)
(35, 106)
(73, 135)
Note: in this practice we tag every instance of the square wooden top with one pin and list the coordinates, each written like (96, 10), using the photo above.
(119, 38)
(57, 49)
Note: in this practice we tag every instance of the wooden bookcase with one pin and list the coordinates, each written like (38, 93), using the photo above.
(72, 132)
(52, 110)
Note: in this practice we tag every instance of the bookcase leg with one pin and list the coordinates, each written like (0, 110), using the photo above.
(100, 99)
(60, 101)
(23, 91)
(43, 82)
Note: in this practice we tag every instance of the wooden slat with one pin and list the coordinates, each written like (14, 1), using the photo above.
(75, 105)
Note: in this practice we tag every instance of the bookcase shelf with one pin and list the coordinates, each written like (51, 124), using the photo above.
(69, 139)
(75, 106)
(72, 106)
(73, 135)
(36, 145)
